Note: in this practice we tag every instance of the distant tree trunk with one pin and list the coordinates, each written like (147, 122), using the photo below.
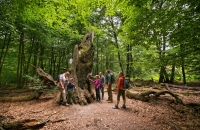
(51, 62)
(161, 77)
(182, 52)
(20, 60)
(26, 68)
(4, 51)
(54, 61)
(107, 62)
(102, 60)
(97, 57)
(116, 43)
(35, 57)
(42, 49)
(183, 70)
(128, 61)
(161, 46)
(172, 74)
(166, 76)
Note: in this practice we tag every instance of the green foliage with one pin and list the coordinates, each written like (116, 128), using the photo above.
(35, 82)
(158, 34)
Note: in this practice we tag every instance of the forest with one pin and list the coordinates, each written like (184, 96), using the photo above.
(156, 43)
(147, 39)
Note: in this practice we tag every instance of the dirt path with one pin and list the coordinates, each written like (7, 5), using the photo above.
(153, 115)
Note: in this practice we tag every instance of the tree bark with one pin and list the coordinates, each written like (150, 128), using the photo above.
(82, 64)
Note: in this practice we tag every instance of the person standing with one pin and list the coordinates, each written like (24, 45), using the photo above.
(121, 91)
(102, 83)
(63, 80)
(109, 86)
(70, 91)
(97, 83)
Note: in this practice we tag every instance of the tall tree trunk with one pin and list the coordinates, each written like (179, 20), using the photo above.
(116, 43)
(20, 60)
(101, 63)
(97, 57)
(183, 70)
(4, 53)
(107, 62)
(30, 56)
(26, 68)
(41, 56)
(172, 74)
(128, 61)
(51, 62)
(161, 77)
(166, 76)
(35, 57)
(182, 50)
(54, 59)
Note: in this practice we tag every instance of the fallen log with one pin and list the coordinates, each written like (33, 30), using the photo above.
(46, 78)
(145, 96)
(178, 86)
(25, 124)
(33, 95)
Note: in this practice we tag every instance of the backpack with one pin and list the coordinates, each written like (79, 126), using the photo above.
(112, 78)
(126, 84)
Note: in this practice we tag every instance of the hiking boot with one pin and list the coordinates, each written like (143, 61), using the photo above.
(123, 106)
(65, 104)
(115, 107)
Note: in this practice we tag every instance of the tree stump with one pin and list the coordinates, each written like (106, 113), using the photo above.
(82, 64)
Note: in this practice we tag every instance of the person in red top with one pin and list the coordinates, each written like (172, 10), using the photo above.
(121, 91)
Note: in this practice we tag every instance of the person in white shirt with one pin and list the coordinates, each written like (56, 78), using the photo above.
(63, 81)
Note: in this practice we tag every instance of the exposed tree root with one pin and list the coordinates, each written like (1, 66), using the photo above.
(145, 96)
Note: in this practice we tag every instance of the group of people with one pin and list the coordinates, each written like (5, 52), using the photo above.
(100, 81)
(66, 85)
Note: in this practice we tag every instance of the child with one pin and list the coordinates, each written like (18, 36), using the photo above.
(97, 83)
(70, 90)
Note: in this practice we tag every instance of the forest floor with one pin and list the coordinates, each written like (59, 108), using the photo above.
(156, 114)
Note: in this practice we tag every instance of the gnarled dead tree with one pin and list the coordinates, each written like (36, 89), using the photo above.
(82, 64)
